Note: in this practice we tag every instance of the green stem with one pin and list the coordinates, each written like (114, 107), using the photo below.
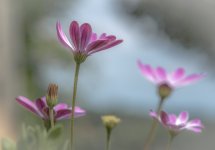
(77, 67)
(47, 124)
(51, 114)
(171, 137)
(108, 138)
(151, 134)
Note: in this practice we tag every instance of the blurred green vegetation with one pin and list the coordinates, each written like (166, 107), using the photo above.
(37, 138)
(129, 134)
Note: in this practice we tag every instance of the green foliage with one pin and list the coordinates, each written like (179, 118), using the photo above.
(37, 138)
(55, 132)
(7, 144)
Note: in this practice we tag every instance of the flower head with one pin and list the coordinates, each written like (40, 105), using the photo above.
(174, 79)
(176, 124)
(110, 121)
(83, 41)
(40, 108)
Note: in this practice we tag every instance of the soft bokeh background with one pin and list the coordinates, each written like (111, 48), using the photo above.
(165, 33)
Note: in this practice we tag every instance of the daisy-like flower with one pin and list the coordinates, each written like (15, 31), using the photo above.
(174, 79)
(40, 108)
(167, 81)
(175, 124)
(83, 41)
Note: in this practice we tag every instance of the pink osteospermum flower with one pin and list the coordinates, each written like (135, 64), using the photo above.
(176, 124)
(40, 108)
(175, 79)
(83, 41)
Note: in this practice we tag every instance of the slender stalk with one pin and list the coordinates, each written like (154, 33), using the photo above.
(51, 114)
(171, 137)
(47, 124)
(108, 138)
(77, 67)
(151, 134)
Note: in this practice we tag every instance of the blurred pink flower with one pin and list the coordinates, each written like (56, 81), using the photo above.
(83, 41)
(160, 76)
(40, 108)
(177, 124)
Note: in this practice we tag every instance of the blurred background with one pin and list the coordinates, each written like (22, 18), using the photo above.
(165, 33)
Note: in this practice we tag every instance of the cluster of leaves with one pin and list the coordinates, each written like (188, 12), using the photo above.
(37, 138)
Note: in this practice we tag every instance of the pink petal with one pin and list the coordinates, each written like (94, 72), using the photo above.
(93, 37)
(196, 130)
(161, 74)
(28, 104)
(178, 74)
(153, 114)
(66, 113)
(79, 110)
(172, 119)
(108, 45)
(45, 112)
(111, 37)
(164, 118)
(60, 114)
(60, 106)
(44, 100)
(40, 104)
(102, 36)
(147, 71)
(182, 118)
(75, 34)
(86, 32)
(62, 37)
(190, 79)
(96, 44)
(195, 123)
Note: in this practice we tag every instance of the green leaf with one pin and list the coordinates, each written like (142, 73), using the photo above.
(37, 138)
(55, 132)
(7, 144)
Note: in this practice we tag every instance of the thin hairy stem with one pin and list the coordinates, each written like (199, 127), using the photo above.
(51, 115)
(169, 142)
(77, 67)
(151, 134)
(108, 139)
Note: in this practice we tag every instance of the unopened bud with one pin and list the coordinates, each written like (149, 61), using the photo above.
(164, 90)
(52, 95)
(110, 121)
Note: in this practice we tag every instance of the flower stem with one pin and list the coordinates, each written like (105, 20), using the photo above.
(51, 114)
(171, 137)
(77, 67)
(151, 134)
(47, 124)
(108, 138)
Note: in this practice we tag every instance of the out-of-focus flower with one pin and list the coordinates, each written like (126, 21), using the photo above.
(83, 41)
(176, 124)
(110, 121)
(175, 79)
(40, 108)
